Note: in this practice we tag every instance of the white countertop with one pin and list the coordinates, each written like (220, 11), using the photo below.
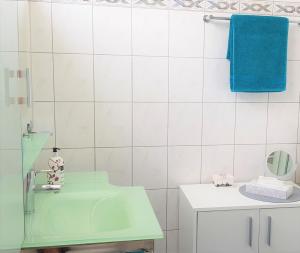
(207, 197)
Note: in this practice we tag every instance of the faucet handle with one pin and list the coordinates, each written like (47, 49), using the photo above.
(42, 171)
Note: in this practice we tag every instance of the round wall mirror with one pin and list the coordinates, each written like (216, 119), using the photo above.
(280, 164)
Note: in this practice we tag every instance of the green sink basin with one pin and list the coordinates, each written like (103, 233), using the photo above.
(90, 212)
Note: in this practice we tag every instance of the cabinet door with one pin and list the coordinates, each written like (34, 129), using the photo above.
(233, 231)
(280, 230)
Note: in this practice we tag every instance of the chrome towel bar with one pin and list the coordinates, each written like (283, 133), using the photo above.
(208, 18)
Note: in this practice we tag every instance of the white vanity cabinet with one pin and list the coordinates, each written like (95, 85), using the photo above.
(280, 230)
(236, 231)
(221, 220)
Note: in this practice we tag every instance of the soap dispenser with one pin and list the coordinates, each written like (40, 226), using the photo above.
(56, 165)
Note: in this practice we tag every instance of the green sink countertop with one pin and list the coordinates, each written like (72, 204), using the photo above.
(90, 210)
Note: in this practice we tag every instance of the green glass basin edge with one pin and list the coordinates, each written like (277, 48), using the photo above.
(32, 145)
(142, 222)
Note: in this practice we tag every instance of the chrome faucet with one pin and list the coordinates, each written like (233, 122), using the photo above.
(30, 187)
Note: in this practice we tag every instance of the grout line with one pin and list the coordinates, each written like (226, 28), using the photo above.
(158, 102)
(135, 55)
(234, 135)
(94, 88)
(22, 171)
(53, 77)
(267, 126)
(296, 158)
(170, 146)
(132, 94)
(202, 104)
(168, 123)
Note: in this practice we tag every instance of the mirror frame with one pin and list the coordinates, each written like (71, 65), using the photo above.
(286, 177)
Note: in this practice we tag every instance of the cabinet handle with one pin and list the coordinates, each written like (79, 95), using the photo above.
(250, 231)
(269, 230)
(28, 86)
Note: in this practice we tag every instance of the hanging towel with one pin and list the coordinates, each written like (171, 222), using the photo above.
(257, 51)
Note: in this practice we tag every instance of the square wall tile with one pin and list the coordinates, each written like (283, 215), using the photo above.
(251, 123)
(173, 241)
(112, 30)
(150, 32)
(186, 34)
(249, 162)
(218, 123)
(172, 209)
(217, 81)
(74, 124)
(113, 123)
(43, 120)
(9, 26)
(292, 87)
(216, 160)
(282, 122)
(150, 124)
(24, 25)
(185, 123)
(74, 36)
(82, 159)
(186, 79)
(293, 43)
(184, 165)
(248, 97)
(73, 77)
(117, 162)
(42, 77)
(109, 86)
(40, 27)
(150, 167)
(158, 199)
(216, 38)
(150, 79)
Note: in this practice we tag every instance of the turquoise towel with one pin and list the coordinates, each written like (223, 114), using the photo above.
(257, 51)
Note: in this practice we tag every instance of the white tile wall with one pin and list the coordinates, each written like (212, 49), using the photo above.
(74, 124)
(143, 93)
(218, 123)
(76, 22)
(41, 27)
(117, 162)
(186, 34)
(9, 26)
(185, 79)
(150, 32)
(150, 79)
(42, 76)
(216, 160)
(110, 87)
(111, 24)
(73, 77)
(113, 124)
(150, 167)
(150, 122)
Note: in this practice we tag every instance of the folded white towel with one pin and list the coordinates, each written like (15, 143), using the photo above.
(270, 187)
